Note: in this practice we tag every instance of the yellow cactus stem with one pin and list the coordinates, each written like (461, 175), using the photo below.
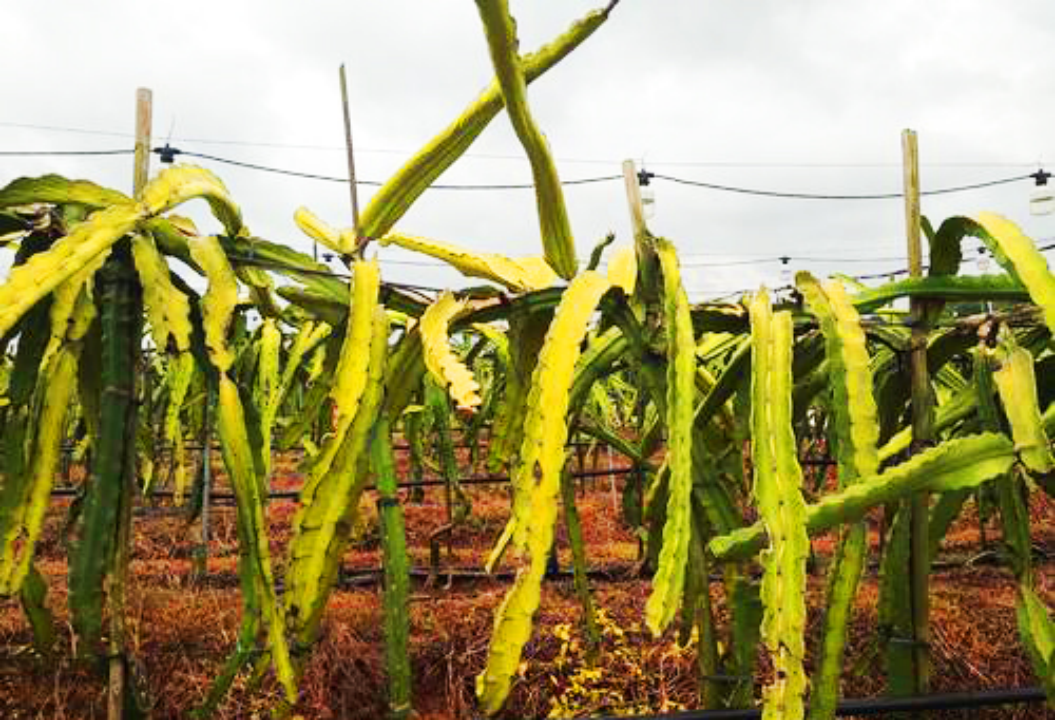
(957, 464)
(527, 333)
(517, 274)
(42, 273)
(854, 417)
(450, 372)
(217, 307)
(1017, 384)
(394, 198)
(329, 501)
(306, 340)
(180, 183)
(669, 581)
(16, 552)
(315, 228)
(1038, 633)
(536, 479)
(267, 385)
(1018, 255)
(854, 404)
(557, 239)
(270, 350)
(220, 298)
(167, 307)
(58, 190)
(178, 379)
(777, 490)
(238, 459)
(350, 377)
(622, 269)
(498, 340)
(71, 306)
(51, 404)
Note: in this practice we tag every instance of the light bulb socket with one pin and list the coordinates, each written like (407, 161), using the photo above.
(1042, 198)
(167, 154)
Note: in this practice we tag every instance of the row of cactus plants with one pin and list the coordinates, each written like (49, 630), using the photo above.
(548, 350)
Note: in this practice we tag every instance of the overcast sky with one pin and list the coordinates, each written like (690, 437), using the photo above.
(806, 97)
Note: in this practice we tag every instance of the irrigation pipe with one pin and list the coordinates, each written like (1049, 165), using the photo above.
(294, 494)
(874, 706)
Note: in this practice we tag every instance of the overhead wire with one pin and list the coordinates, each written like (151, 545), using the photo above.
(375, 183)
(43, 153)
(56, 128)
(829, 196)
(503, 156)
(722, 294)
(168, 153)
(604, 178)
(171, 152)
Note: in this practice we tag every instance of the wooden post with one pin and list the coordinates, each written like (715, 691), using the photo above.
(201, 557)
(144, 119)
(351, 156)
(633, 198)
(648, 286)
(922, 418)
(118, 688)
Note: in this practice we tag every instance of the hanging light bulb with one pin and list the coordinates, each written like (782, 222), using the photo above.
(983, 261)
(648, 194)
(1042, 199)
(785, 271)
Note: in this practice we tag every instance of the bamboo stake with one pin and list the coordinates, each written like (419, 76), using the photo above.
(352, 188)
(922, 418)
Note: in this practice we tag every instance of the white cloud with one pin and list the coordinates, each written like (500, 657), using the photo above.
(763, 82)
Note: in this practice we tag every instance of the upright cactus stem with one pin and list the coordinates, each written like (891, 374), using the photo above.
(397, 574)
(778, 494)
(557, 239)
(112, 473)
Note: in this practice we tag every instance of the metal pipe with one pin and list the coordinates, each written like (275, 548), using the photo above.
(874, 706)
(292, 494)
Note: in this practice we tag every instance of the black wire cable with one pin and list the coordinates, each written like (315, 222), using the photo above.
(55, 128)
(721, 294)
(375, 183)
(39, 153)
(498, 156)
(816, 196)
(262, 168)
(904, 271)
(730, 263)
(170, 152)
(718, 294)
(296, 269)
(603, 178)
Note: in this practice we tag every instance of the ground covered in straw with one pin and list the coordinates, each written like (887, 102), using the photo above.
(183, 629)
